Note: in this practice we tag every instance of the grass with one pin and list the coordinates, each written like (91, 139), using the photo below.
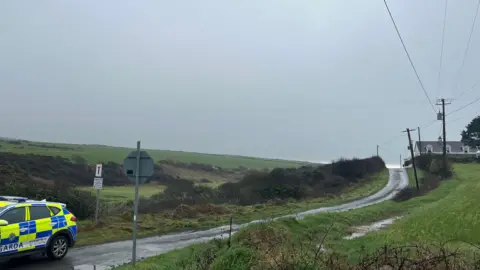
(448, 213)
(121, 193)
(411, 177)
(119, 227)
(100, 153)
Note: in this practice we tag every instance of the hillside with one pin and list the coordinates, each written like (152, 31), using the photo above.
(49, 169)
(101, 153)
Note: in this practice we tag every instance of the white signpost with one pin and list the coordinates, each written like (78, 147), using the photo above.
(98, 184)
(98, 170)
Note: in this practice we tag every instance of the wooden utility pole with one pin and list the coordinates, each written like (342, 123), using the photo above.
(413, 156)
(443, 102)
(419, 141)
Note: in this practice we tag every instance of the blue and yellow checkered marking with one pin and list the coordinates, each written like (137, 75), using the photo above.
(34, 234)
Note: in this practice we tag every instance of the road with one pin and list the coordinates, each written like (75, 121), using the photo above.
(105, 256)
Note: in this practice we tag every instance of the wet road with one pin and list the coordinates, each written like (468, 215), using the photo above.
(106, 255)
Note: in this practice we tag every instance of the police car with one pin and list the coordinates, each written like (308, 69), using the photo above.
(28, 227)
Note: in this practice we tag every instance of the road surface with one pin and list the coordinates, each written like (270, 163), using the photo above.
(105, 256)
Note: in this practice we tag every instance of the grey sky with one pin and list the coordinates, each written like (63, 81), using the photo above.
(311, 80)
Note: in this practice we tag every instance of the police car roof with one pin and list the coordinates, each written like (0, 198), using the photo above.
(13, 198)
(8, 200)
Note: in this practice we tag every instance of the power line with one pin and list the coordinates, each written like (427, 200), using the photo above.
(467, 90)
(430, 124)
(465, 106)
(387, 149)
(455, 120)
(392, 139)
(408, 55)
(468, 46)
(441, 51)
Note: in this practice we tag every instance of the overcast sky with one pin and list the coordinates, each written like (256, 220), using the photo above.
(310, 80)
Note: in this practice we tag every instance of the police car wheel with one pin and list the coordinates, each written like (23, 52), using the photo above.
(58, 248)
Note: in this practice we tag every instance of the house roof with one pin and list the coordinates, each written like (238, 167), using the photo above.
(456, 146)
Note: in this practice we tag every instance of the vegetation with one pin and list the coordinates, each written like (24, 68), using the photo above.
(429, 172)
(433, 227)
(184, 205)
(188, 217)
(170, 202)
(122, 193)
(103, 154)
(471, 133)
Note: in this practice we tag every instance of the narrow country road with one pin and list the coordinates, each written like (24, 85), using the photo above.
(106, 255)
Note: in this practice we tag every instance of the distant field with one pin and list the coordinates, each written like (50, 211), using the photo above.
(97, 153)
(120, 193)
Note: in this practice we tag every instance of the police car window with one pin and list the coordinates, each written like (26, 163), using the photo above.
(55, 210)
(15, 215)
(39, 212)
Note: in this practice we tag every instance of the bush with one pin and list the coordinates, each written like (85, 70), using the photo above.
(280, 184)
(300, 183)
(434, 164)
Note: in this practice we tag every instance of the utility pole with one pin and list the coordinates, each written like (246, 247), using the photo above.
(401, 163)
(377, 150)
(419, 141)
(413, 156)
(443, 102)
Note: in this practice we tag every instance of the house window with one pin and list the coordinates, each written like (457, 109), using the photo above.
(429, 148)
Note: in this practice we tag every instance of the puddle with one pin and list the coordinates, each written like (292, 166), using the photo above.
(321, 248)
(362, 230)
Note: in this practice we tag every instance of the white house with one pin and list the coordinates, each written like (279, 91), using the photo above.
(453, 147)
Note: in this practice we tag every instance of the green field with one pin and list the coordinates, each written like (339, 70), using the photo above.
(448, 213)
(119, 227)
(121, 193)
(97, 153)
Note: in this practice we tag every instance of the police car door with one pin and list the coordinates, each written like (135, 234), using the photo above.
(14, 236)
(41, 216)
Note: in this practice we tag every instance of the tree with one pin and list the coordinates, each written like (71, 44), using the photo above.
(471, 133)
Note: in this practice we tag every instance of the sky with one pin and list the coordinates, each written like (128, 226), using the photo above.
(307, 80)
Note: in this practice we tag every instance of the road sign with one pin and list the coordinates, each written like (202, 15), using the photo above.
(146, 166)
(97, 183)
(98, 170)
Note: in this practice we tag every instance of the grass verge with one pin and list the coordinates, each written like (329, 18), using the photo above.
(120, 227)
(448, 213)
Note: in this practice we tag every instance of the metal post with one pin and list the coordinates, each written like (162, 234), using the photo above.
(135, 205)
(98, 206)
(377, 149)
(401, 163)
